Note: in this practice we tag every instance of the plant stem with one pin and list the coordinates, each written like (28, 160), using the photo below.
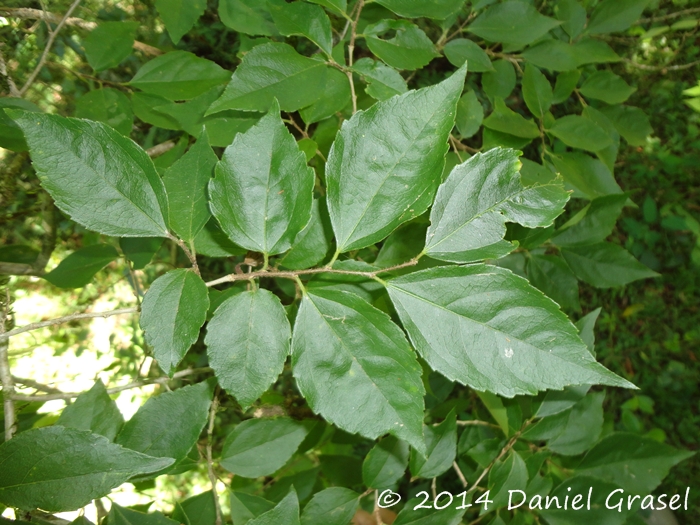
(8, 386)
(210, 460)
(190, 255)
(351, 52)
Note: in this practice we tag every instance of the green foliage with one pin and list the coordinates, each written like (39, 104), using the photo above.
(311, 185)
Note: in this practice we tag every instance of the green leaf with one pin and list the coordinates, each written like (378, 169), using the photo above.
(286, 511)
(565, 85)
(245, 507)
(605, 265)
(461, 50)
(299, 18)
(38, 464)
(518, 340)
(144, 106)
(109, 43)
(179, 75)
(173, 311)
(383, 82)
(332, 506)
(552, 276)
(109, 106)
(351, 360)
(506, 120)
(168, 425)
(197, 510)
(386, 463)
(513, 22)
(263, 190)
(579, 132)
(586, 326)
(259, 447)
(339, 6)
(98, 177)
(606, 86)
(409, 47)
(505, 475)
(140, 250)
(573, 16)
(11, 136)
(251, 17)
(180, 15)
(335, 98)
(596, 223)
(500, 82)
(186, 182)
(588, 177)
(437, 9)
(467, 221)
(611, 16)
(95, 411)
(386, 162)
(599, 514)
(313, 243)
(441, 448)
(553, 55)
(636, 463)
(593, 51)
(270, 71)
(558, 401)
(470, 115)
(212, 242)
(119, 515)
(537, 91)
(78, 269)
(573, 431)
(630, 122)
(247, 343)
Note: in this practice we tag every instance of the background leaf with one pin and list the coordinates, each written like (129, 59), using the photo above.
(95, 411)
(78, 269)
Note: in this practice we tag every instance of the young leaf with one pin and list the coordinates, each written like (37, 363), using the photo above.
(506, 120)
(286, 511)
(500, 82)
(386, 162)
(467, 222)
(553, 55)
(593, 51)
(101, 179)
(259, 447)
(119, 515)
(95, 411)
(263, 189)
(78, 269)
(441, 447)
(186, 182)
(608, 87)
(383, 82)
(173, 310)
(611, 16)
(635, 463)
(470, 115)
(605, 265)
(437, 9)
(573, 16)
(588, 177)
(596, 223)
(180, 15)
(409, 47)
(270, 71)
(496, 333)
(38, 465)
(349, 360)
(579, 132)
(565, 85)
(251, 17)
(179, 75)
(461, 50)
(332, 506)
(197, 510)
(313, 243)
(386, 463)
(109, 43)
(107, 105)
(168, 425)
(247, 343)
(299, 18)
(245, 507)
(537, 91)
(512, 22)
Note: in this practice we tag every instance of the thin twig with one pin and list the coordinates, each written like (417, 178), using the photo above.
(30, 383)
(66, 319)
(210, 460)
(669, 16)
(161, 148)
(351, 52)
(273, 273)
(8, 386)
(190, 255)
(49, 44)
(114, 390)
(5, 72)
(476, 422)
(460, 474)
(645, 67)
(377, 509)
